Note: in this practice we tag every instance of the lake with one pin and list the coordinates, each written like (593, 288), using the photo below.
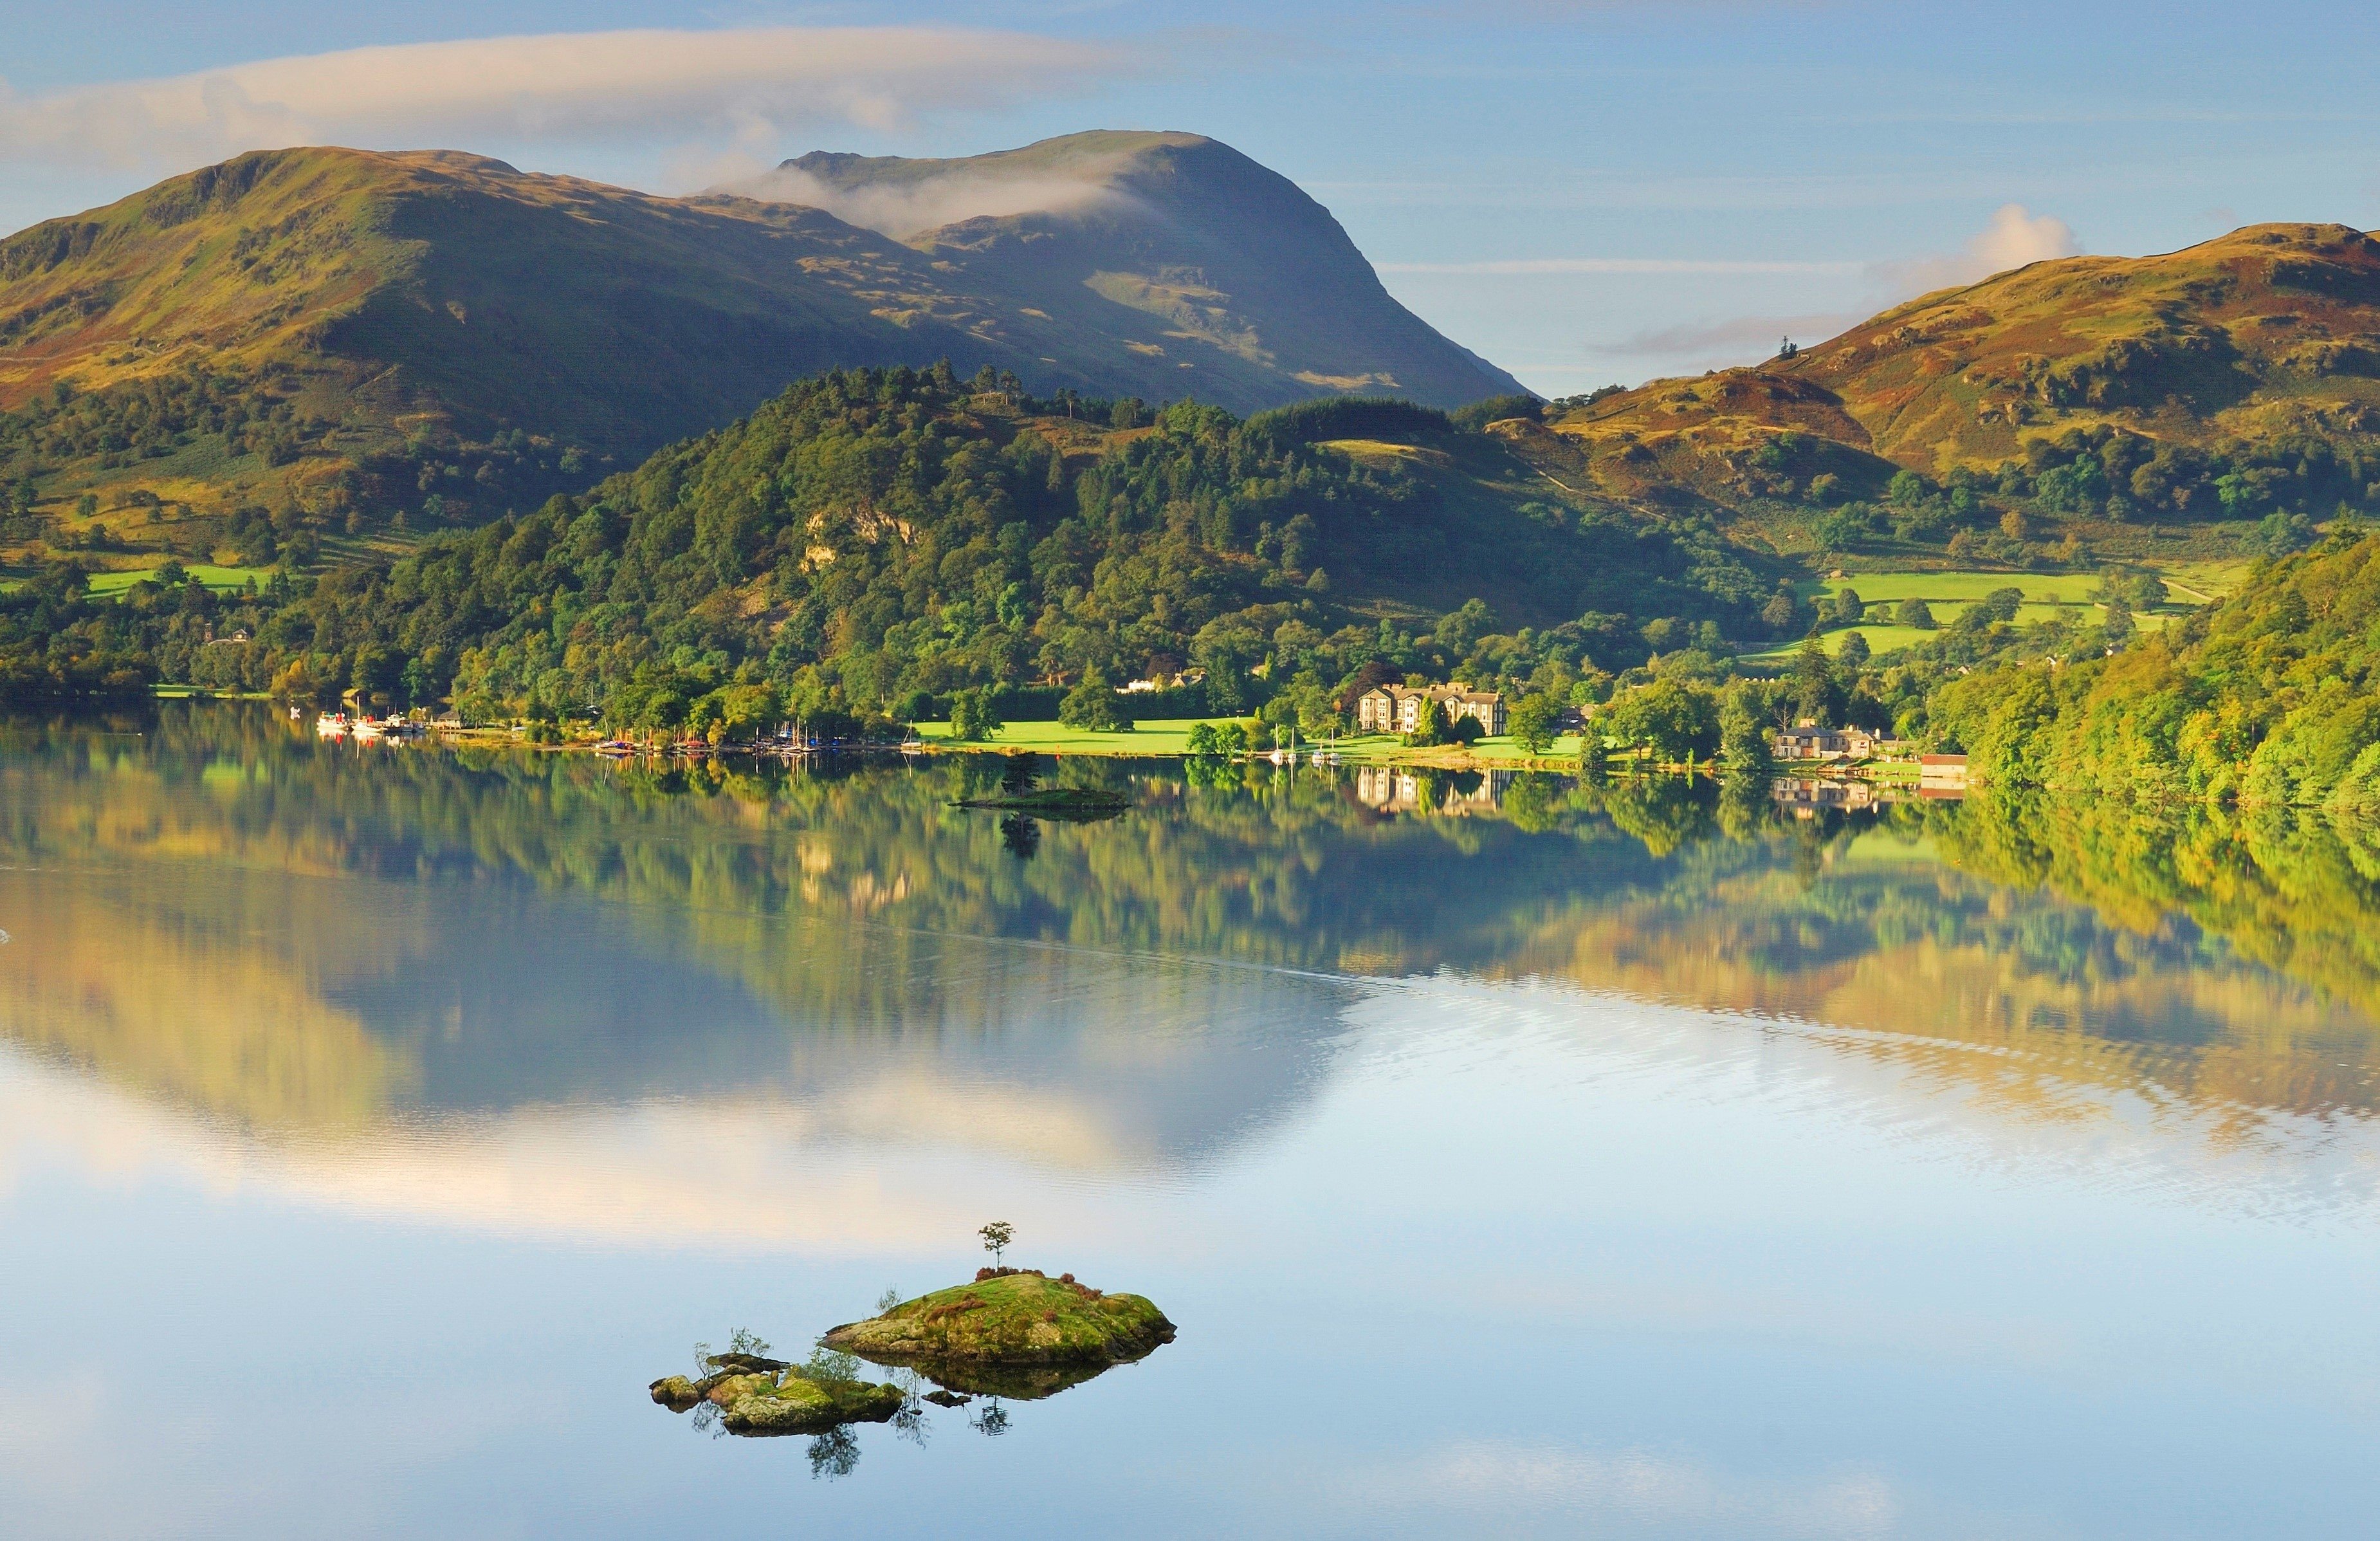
(1514, 1157)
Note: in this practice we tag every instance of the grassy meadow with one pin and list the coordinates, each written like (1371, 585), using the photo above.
(109, 585)
(1948, 593)
(1170, 736)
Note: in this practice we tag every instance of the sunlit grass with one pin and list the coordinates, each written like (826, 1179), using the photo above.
(1943, 587)
(109, 585)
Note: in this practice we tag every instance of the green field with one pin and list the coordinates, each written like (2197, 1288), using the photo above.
(2214, 579)
(1948, 594)
(1936, 588)
(1168, 738)
(109, 584)
(1164, 736)
(1885, 639)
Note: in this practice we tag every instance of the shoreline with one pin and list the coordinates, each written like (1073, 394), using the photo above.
(1155, 740)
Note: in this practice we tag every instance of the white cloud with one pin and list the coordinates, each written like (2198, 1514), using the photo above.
(2016, 236)
(965, 193)
(747, 86)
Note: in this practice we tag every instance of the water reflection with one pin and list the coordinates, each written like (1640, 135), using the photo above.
(1402, 789)
(461, 950)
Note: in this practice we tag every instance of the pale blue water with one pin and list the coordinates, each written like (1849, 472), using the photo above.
(372, 1130)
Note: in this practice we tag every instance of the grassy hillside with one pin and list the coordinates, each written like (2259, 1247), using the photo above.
(2226, 396)
(320, 334)
(277, 350)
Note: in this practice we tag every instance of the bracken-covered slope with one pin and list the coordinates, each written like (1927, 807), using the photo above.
(2269, 334)
(353, 331)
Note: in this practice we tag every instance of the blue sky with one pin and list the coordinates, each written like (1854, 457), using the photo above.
(1583, 192)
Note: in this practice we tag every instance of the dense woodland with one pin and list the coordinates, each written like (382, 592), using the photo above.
(2266, 698)
(2014, 513)
(873, 540)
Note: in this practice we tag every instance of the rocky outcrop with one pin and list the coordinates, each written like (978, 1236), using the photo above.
(1008, 1319)
(782, 1399)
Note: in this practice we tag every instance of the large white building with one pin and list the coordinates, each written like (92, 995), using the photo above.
(1397, 708)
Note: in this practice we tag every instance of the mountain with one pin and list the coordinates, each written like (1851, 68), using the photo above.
(325, 332)
(2237, 356)
(1177, 248)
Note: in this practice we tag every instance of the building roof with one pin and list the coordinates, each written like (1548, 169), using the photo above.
(1456, 692)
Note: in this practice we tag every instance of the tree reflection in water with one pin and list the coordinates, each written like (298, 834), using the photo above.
(2246, 936)
(834, 1453)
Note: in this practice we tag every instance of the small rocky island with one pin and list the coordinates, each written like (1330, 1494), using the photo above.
(1014, 1333)
(1009, 1320)
(756, 1395)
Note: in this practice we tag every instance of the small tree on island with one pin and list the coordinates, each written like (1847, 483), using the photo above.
(996, 1237)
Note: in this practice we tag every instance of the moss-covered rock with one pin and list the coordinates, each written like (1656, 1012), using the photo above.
(676, 1393)
(778, 1402)
(1008, 1318)
(795, 1404)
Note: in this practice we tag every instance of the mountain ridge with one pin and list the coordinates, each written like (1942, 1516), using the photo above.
(2258, 337)
(356, 334)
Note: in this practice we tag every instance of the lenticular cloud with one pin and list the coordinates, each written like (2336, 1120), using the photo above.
(749, 83)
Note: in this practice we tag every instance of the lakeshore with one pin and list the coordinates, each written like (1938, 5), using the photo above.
(1833, 781)
(1161, 740)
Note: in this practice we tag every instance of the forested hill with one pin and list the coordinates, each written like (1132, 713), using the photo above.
(872, 536)
(2266, 697)
(328, 335)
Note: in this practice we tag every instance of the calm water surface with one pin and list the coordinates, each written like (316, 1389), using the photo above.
(375, 1123)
